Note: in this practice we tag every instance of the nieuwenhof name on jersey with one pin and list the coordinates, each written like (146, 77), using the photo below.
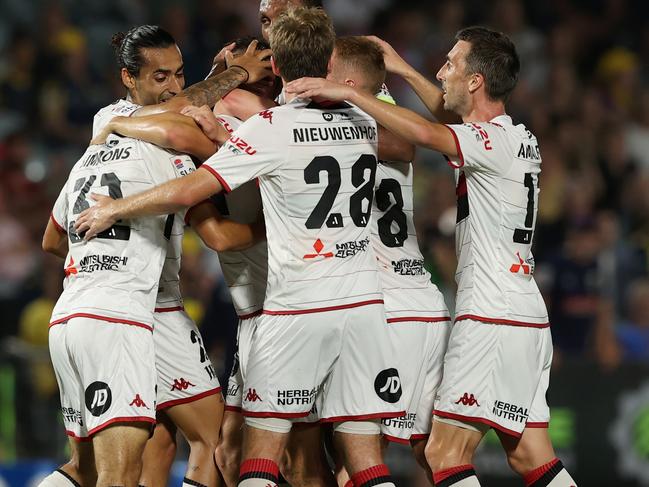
(359, 130)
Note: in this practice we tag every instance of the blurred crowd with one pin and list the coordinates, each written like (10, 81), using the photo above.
(583, 90)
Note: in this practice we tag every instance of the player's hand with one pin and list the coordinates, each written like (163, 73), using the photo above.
(205, 119)
(101, 137)
(218, 64)
(319, 88)
(97, 218)
(256, 63)
(394, 63)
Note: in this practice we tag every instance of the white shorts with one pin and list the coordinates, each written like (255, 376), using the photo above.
(344, 356)
(234, 395)
(496, 375)
(422, 346)
(105, 372)
(184, 370)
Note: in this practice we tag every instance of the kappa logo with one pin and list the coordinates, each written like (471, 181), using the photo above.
(98, 397)
(252, 396)
(318, 246)
(138, 402)
(468, 400)
(387, 385)
(267, 115)
(521, 266)
(181, 385)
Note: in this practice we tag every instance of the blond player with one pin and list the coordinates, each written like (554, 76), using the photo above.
(496, 370)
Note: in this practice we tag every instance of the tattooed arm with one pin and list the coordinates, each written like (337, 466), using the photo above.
(247, 68)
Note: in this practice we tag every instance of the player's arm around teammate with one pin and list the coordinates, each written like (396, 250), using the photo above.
(476, 91)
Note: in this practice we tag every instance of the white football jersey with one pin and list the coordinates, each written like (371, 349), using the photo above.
(316, 168)
(121, 108)
(245, 271)
(497, 171)
(114, 276)
(169, 296)
(408, 293)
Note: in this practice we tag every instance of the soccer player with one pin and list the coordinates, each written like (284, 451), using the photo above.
(101, 329)
(323, 308)
(496, 370)
(415, 309)
(245, 271)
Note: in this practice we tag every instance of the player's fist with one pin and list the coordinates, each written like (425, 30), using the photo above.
(255, 63)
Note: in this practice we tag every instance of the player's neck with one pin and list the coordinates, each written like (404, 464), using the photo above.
(484, 111)
(288, 97)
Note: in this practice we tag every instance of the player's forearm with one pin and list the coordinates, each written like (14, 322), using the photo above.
(429, 94)
(394, 148)
(167, 198)
(55, 242)
(206, 92)
(151, 128)
(406, 123)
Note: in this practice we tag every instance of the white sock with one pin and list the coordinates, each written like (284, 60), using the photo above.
(257, 483)
(192, 483)
(58, 479)
(563, 479)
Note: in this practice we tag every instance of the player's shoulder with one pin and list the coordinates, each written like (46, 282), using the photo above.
(120, 107)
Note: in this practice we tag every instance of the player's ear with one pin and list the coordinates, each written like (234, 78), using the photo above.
(476, 80)
(274, 66)
(127, 79)
(350, 82)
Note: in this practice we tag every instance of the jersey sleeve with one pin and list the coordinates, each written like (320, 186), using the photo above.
(481, 147)
(253, 150)
(122, 108)
(60, 210)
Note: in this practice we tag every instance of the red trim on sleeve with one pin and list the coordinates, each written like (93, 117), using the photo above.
(498, 321)
(185, 400)
(474, 419)
(214, 173)
(56, 224)
(459, 149)
(101, 318)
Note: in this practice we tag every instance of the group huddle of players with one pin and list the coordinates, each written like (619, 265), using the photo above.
(304, 188)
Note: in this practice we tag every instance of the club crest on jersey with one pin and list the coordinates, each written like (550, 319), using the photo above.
(238, 146)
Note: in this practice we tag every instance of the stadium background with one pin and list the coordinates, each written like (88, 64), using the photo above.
(584, 91)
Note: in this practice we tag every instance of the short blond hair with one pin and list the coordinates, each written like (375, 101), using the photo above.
(302, 40)
(359, 54)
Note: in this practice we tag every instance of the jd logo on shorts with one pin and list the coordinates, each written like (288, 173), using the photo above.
(388, 385)
(98, 398)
